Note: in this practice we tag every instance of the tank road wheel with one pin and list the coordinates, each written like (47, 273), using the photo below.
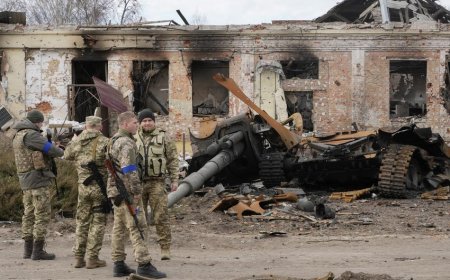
(401, 173)
(271, 169)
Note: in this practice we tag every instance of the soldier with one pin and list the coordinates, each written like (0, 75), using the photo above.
(89, 152)
(159, 159)
(122, 152)
(33, 156)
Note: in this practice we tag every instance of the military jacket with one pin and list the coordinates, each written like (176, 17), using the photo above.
(33, 153)
(88, 146)
(122, 152)
(158, 155)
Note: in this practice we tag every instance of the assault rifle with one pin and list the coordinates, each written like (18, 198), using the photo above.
(124, 194)
(97, 177)
(53, 163)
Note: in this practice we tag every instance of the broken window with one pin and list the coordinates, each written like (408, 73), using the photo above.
(151, 86)
(83, 97)
(209, 97)
(407, 88)
(302, 69)
(301, 102)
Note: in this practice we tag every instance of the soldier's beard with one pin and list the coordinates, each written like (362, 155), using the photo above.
(148, 129)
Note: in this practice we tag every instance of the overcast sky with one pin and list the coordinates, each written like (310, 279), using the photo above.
(225, 12)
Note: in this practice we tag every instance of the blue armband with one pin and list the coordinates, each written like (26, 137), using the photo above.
(47, 147)
(129, 168)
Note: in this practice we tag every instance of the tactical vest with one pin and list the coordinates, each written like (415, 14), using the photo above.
(26, 159)
(153, 155)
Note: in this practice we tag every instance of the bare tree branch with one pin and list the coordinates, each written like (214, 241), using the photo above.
(13, 5)
(198, 19)
(130, 11)
(79, 12)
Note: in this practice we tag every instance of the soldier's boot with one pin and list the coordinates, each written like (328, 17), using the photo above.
(28, 248)
(148, 270)
(79, 262)
(121, 269)
(39, 253)
(94, 263)
(165, 253)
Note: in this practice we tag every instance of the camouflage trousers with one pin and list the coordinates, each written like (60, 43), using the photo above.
(91, 221)
(36, 214)
(155, 194)
(124, 226)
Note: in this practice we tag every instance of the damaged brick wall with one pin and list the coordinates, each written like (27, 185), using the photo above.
(375, 107)
(352, 84)
(339, 92)
(438, 116)
(48, 72)
(13, 93)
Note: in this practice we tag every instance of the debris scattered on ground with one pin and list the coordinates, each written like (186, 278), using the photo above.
(438, 194)
(351, 195)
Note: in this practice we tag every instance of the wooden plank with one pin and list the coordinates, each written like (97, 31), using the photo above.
(369, 9)
(289, 139)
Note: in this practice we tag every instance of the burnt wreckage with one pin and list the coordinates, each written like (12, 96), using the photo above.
(398, 162)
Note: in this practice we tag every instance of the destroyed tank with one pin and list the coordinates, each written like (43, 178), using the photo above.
(399, 162)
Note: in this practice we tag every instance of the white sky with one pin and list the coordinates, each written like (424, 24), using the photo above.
(223, 12)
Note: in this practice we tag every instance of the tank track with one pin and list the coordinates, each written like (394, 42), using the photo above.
(393, 171)
(271, 169)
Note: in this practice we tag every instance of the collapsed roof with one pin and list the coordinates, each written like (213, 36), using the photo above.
(385, 11)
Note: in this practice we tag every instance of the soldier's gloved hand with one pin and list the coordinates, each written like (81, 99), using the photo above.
(173, 186)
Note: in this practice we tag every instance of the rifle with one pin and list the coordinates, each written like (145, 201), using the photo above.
(53, 163)
(97, 177)
(124, 194)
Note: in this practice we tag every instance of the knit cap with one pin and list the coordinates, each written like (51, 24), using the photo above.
(146, 113)
(35, 116)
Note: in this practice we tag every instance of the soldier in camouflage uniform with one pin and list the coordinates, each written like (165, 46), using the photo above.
(33, 155)
(89, 146)
(122, 152)
(159, 158)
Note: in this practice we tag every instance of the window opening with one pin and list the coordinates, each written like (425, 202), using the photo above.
(301, 102)
(209, 97)
(151, 86)
(407, 88)
(83, 97)
(302, 69)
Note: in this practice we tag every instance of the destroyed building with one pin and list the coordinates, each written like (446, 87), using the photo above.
(367, 63)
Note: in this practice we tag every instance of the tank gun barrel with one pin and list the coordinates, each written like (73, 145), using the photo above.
(226, 142)
(222, 159)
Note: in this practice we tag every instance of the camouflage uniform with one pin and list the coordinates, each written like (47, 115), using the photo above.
(122, 152)
(159, 159)
(33, 154)
(89, 146)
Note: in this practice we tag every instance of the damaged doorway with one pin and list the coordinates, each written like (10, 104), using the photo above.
(407, 88)
(151, 86)
(83, 97)
(209, 97)
(446, 91)
(301, 102)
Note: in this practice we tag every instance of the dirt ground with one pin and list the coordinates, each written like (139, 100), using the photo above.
(370, 238)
